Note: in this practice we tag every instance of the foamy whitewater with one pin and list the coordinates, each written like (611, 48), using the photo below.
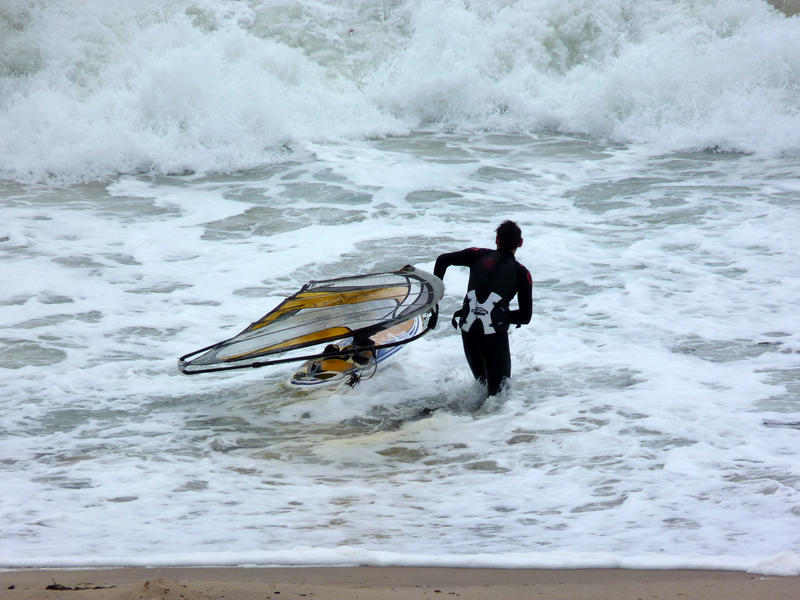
(170, 171)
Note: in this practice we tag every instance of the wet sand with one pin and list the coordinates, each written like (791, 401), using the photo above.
(390, 583)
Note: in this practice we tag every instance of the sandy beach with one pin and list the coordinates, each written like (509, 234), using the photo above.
(389, 583)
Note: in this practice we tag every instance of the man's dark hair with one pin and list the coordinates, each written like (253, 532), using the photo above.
(509, 235)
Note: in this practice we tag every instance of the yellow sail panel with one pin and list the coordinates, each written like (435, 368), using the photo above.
(303, 340)
(355, 296)
(317, 336)
(306, 300)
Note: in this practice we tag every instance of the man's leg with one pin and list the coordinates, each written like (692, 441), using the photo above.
(497, 356)
(473, 351)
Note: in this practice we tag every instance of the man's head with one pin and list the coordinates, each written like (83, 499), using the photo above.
(509, 236)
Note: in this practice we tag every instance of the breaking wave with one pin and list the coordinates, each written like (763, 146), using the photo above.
(95, 88)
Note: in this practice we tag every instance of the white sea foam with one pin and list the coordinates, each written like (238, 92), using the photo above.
(652, 421)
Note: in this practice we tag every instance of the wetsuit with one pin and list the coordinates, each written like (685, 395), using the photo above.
(495, 277)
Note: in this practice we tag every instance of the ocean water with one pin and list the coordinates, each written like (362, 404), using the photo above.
(170, 172)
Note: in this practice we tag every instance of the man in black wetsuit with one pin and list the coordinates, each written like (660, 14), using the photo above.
(495, 277)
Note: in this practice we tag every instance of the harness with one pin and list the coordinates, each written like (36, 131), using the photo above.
(492, 312)
(480, 311)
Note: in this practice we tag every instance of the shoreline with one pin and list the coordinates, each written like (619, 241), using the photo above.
(388, 583)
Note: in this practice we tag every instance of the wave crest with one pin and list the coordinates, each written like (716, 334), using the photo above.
(104, 87)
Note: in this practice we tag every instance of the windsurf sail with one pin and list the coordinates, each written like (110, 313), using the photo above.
(322, 312)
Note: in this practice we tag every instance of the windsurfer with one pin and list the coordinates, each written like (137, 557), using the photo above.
(495, 278)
